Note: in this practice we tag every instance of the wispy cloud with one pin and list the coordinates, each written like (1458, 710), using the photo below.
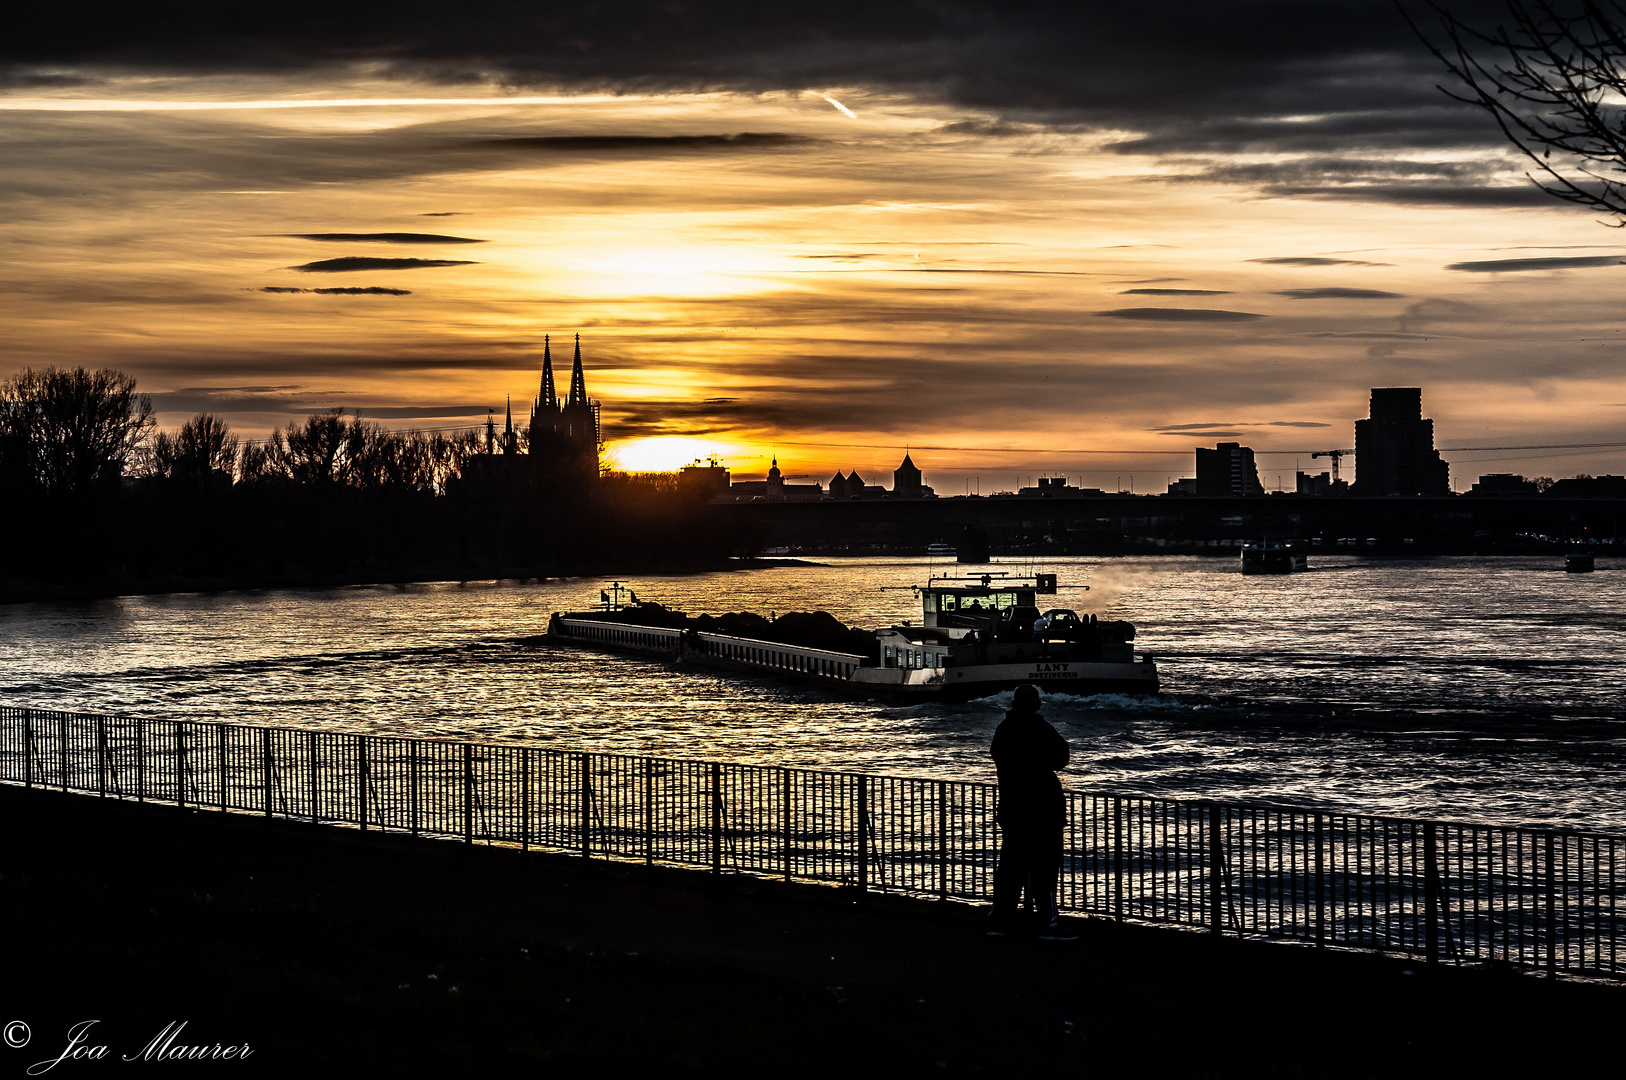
(351, 263)
(1336, 293)
(1568, 262)
(648, 144)
(1174, 292)
(370, 290)
(1163, 314)
(1313, 260)
(382, 238)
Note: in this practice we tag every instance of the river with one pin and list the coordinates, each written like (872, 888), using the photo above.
(1484, 689)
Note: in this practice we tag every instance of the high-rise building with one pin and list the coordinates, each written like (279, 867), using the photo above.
(1394, 447)
(1228, 469)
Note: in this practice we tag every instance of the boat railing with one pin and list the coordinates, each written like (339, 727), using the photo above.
(608, 632)
(773, 654)
(1444, 892)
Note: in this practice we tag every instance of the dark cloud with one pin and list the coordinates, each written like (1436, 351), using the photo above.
(1336, 293)
(295, 400)
(1420, 194)
(1201, 434)
(1386, 179)
(370, 290)
(1187, 75)
(45, 80)
(383, 238)
(351, 263)
(1188, 429)
(1174, 292)
(1370, 335)
(428, 412)
(1313, 260)
(444, 213)
(643, 144)
(1166, 314)
(1568, 262)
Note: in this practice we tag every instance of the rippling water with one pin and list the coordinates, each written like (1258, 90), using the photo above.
(1474, 688)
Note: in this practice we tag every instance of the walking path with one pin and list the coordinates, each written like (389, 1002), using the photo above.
(320, 942)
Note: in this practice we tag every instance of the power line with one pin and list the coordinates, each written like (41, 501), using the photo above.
(1171, 453)
(1548, 446)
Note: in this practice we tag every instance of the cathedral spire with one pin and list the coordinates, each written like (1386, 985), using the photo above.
(549, 397)
(578, 381)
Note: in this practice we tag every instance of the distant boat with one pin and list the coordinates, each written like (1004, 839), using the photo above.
(1272, 557)
(940, 551)
(1579, 563)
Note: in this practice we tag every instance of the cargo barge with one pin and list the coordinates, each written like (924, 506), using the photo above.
(977, 636)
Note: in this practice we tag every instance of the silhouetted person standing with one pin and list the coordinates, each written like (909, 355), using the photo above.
(1032, 811)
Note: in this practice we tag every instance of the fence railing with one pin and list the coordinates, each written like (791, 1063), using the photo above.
(1444, 891)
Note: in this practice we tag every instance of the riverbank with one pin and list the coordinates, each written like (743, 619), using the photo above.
(319, 945)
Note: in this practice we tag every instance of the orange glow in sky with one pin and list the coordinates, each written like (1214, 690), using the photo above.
(752, 272)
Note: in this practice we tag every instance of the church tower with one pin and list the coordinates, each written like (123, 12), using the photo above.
(565, 436)
(906, 480)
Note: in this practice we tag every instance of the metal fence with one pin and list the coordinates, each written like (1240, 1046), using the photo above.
(1444, 891)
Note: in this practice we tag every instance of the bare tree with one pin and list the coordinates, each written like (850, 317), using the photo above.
(1555, 82)
(203, 449)
(310, 452)
(73, 430)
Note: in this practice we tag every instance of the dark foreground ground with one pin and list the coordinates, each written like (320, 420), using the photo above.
(326, 949)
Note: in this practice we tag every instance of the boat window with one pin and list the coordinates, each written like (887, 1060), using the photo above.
(973, 605)
(928, 603)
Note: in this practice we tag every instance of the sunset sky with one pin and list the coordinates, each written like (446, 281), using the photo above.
(832, 231)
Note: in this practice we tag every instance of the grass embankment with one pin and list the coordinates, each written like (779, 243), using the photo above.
(323, 948)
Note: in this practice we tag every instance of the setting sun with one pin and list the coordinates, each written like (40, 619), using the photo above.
(668, 453)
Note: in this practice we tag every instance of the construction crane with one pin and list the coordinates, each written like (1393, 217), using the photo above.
(1336, 456)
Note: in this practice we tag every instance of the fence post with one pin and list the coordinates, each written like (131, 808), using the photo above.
(315, 794)
(141, 760)
(785, 819)
(716, 818)
(101, 757)
(28, 748)
(525, 798)
(1431, 895)
(412, 785)
(942, 839)
(1552, 912)
(1320, 883)
(62, 750)
(361, 781)
(468, 793)
(180, 765)
(1118, 858)
(587, 805)
(222, 762)
(265, 766)
(649, 811)
(863, 834)
(1216, 873)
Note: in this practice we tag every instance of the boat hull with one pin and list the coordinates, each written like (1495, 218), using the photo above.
(981, 680)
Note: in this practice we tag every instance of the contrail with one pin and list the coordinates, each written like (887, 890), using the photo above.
(839, 105)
